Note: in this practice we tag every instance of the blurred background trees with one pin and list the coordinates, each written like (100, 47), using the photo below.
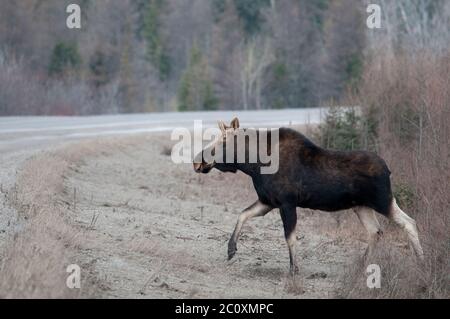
(168, 55)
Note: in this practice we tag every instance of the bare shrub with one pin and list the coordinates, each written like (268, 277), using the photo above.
(18, 95)
(409, 99)
(166, 150)
(26, 93)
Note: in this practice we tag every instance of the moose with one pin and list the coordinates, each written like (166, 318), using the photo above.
(311, 177)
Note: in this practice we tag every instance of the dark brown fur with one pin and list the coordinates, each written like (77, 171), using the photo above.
(311, 177)
(316, 178)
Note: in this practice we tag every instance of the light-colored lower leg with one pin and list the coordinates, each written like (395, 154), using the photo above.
(289, 218)
(409, 225)
(291, 242)
(370, 222)
(256, 210)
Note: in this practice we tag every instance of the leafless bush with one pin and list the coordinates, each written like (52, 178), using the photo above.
(75, 97)
(25, 93)
(409, 97)
(17, 93)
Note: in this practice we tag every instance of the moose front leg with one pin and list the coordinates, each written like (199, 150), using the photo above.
(255, 210)
(289, 217)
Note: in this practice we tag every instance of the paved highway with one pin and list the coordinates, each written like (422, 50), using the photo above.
(18, 133)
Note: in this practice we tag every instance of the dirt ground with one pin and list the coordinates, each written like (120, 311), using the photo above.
(140, 226)
(154, 229)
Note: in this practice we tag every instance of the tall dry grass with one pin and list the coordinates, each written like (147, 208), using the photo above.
(37, 256)
(47, 241)
(407, 99)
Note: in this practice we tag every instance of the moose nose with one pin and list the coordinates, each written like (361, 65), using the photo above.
(198, 167)
(198, 162)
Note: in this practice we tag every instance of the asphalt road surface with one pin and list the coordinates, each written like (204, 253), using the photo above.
(19, 133)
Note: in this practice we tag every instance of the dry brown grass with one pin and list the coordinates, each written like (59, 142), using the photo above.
(37, 256)
(409, 98)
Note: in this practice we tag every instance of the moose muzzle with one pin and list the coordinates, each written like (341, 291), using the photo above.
(200, 166)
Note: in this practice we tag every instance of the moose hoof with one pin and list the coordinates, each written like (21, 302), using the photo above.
(231, 250)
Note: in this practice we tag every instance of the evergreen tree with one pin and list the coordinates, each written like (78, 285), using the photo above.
(151, 32)
(249, 12)
(196, 90)
(65, 57)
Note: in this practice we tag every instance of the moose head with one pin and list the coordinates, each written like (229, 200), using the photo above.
(205, 161)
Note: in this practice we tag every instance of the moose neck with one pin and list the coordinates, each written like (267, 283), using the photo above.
(249, 169)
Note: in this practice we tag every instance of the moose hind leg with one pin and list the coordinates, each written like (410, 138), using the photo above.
(289, 217)
(256, 210)
(409, 225)
(370, 222)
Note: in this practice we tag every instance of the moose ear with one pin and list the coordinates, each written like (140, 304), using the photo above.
(235, 123)
(222, 126)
